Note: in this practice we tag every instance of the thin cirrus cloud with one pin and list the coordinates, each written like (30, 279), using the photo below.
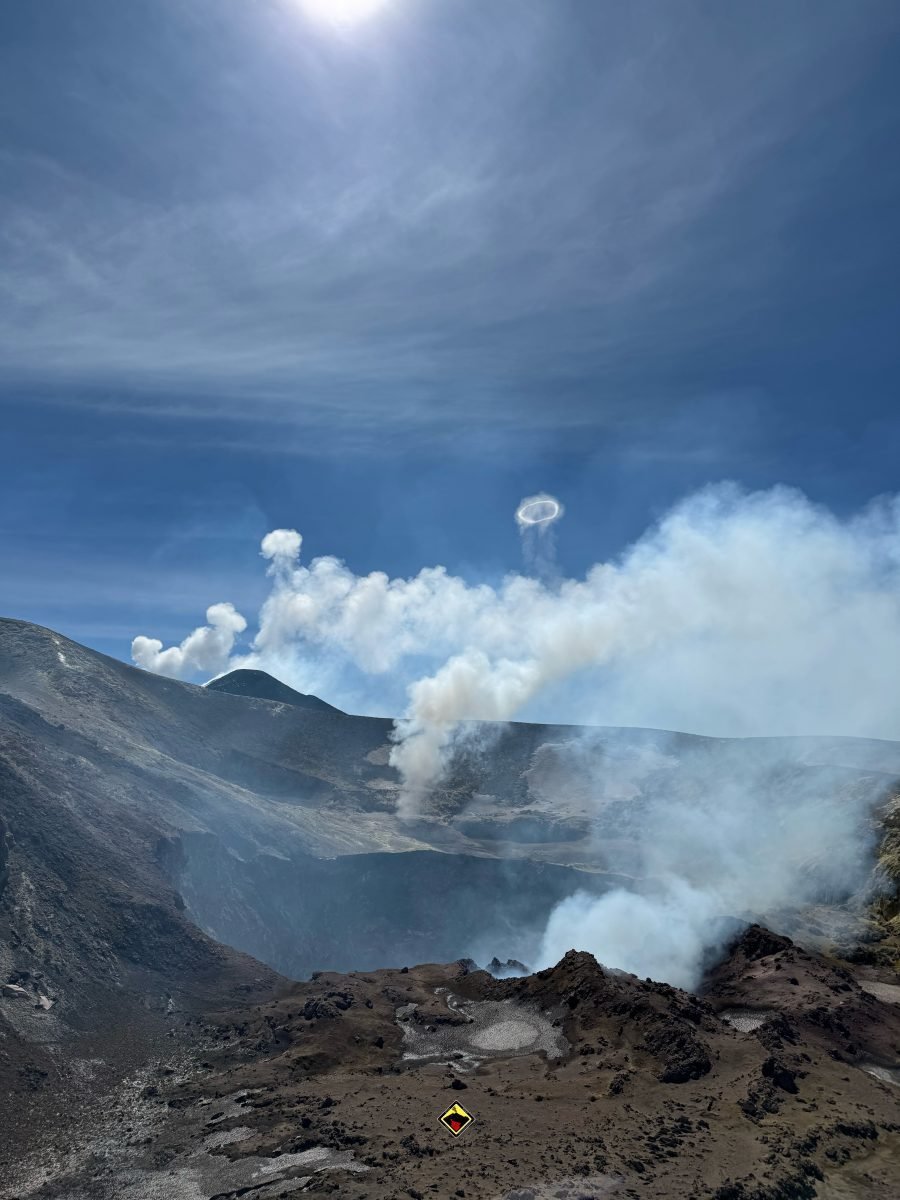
(392, 225)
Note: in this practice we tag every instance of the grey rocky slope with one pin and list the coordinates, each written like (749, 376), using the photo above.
(260, 686)
(274, 825)
(151, 831)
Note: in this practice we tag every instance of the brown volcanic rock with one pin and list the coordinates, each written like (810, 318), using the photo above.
(653, 1096)
(669, 1020)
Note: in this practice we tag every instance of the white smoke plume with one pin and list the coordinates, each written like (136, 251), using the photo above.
(752, 830)
(737, 614)
(282, 546)
(207, 650)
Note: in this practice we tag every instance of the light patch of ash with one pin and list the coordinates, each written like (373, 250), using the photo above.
(228, 1109)
(320, 1158)
(505, 1035)
(95, 1144)
(205, 1175)
(227, 1137)
(745, 1020)
(166, 1185)
(108, 1166)
(478, 1029)
(26, 1007)
(885, 1074)
(889, 992)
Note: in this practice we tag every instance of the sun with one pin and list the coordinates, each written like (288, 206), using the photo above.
(341, 13)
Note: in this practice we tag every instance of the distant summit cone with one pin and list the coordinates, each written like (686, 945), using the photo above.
(259, 685)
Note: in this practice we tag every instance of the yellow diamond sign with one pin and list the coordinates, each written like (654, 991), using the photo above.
(456, 1119)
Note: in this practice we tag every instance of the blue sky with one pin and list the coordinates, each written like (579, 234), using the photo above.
(376, 283)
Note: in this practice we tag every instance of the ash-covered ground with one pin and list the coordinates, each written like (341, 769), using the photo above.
(582, 1082)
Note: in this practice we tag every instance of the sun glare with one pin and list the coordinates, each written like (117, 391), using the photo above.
(341, 13)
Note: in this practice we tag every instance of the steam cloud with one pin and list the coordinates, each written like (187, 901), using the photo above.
(753, 830)
(738, 614)
(206, 649)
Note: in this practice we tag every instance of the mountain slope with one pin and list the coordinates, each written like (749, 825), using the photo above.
(276, 824)
(259, 685)
(148, 825)
(96, 949)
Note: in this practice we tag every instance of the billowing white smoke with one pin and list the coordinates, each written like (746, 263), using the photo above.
(206, 650)
(663, 937)
(722, 829)
(737, 614)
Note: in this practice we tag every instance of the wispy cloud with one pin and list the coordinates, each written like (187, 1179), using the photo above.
(468, 211)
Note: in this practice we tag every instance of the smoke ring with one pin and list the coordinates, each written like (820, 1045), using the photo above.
(539, 510)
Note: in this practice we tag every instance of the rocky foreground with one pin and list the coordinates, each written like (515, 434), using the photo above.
(782, 1080)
